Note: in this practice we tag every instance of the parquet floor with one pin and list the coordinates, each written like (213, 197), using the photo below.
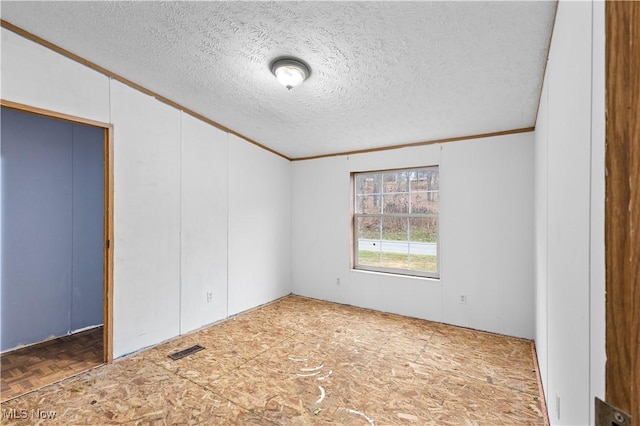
(34, 367)
(300, 361)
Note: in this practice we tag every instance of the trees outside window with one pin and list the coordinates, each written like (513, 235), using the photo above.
(395, 221)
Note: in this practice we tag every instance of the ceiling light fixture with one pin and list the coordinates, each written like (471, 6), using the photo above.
(290, 72)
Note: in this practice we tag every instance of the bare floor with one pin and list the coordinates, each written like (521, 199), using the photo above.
(303, 361)
(34, 367)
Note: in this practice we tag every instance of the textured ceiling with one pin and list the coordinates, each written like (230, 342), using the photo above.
(383, 73)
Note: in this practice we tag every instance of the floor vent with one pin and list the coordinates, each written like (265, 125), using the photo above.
(186, 352)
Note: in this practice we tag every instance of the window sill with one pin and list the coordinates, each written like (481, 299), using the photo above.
(397, 275)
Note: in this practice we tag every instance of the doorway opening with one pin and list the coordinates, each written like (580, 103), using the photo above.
(57, 254)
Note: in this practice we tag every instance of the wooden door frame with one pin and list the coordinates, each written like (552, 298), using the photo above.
(622, 206)
(107, 279)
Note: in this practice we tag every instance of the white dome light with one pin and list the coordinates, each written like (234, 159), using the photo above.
(290, 72)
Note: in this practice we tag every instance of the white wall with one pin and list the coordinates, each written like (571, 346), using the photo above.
(486, 235)
(174, 238)
(36, 76)
(259, 226)
(146, 272)
(205, 170)
(541, 231)
(569, 165)
(597, 324)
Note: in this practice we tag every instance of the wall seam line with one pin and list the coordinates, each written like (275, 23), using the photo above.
(181, 141)
(69, 331)
(228, 209)
(589, 357)
(546, 241)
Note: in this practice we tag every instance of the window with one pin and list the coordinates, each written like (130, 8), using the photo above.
(395, 221)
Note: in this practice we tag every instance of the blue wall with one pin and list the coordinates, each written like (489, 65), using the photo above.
(88, 227)
(52, 227)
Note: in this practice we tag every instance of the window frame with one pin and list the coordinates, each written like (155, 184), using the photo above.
(354, 227)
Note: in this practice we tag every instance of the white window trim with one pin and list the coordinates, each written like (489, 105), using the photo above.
(354, 228)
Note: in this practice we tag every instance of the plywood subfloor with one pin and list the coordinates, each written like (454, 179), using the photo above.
(34, 367)
(301, 361)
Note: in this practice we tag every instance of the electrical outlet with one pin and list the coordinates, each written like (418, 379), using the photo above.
(462, 298)
(338, 281)
(209, 297)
